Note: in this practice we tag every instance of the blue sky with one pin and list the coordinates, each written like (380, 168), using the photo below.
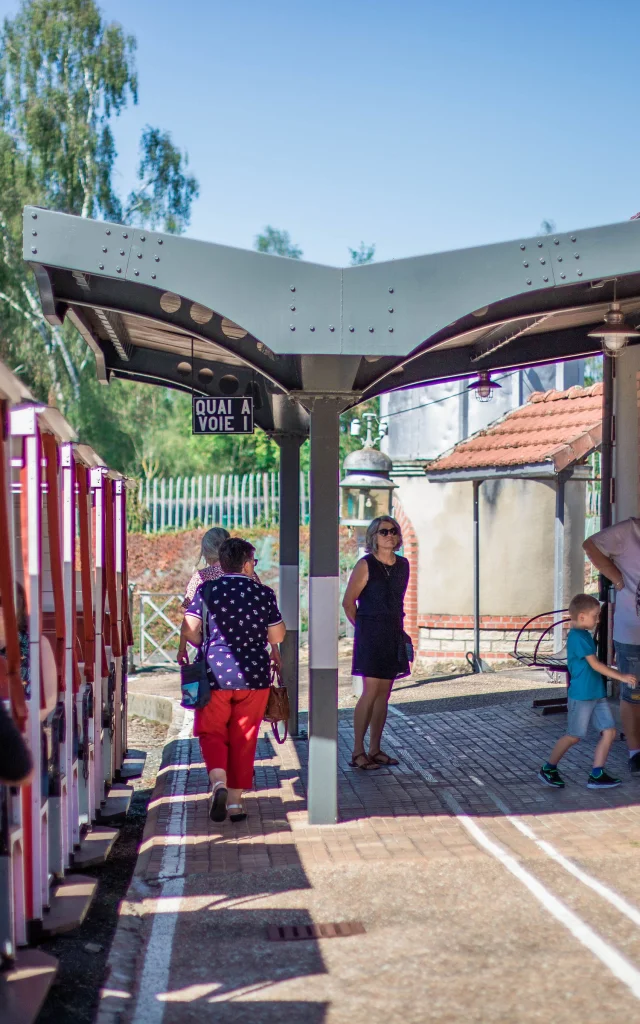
(419, 126)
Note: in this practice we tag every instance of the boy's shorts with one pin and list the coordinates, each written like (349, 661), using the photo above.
(628, 660)
(582, 712)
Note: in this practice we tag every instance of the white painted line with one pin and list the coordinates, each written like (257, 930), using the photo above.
(610, 957)
(154, 980)
(610, 895)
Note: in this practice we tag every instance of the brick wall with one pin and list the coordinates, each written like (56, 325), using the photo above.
(410, 540)
(449, 637)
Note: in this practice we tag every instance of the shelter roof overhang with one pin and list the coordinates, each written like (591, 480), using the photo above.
(546, 470)
(217, 320)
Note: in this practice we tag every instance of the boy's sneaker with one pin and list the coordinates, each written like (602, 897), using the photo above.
(634, 764)
(552, 777)
(602, 781)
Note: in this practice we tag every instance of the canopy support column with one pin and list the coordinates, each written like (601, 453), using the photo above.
(558, 580)
(477, 660)
(324, 595)
(290, 566)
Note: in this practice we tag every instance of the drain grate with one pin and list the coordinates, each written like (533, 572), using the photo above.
(298, 932)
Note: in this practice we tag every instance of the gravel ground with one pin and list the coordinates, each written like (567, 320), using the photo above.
(82, 955)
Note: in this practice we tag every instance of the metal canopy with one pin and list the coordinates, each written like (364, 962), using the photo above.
(146, 302)
(310, 341)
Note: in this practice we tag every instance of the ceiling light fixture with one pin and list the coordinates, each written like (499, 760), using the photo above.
(615, 332)
(484, 386)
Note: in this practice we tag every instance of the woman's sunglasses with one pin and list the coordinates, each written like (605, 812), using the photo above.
(391, 532)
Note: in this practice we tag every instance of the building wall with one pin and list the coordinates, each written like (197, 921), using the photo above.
(516, 558)
(627, 448)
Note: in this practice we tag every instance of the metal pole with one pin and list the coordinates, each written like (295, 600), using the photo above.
(606, 488)
(289, 566)
(324, 593)
(558, 560)
(477, 663)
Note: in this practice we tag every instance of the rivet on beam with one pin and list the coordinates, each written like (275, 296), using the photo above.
(100, 266)
(34, 250)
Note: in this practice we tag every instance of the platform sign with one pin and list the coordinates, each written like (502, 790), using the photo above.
(222, 416)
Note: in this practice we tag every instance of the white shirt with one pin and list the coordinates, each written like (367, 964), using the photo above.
(621, 543)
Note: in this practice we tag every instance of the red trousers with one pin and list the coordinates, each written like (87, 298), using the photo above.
(228, 732)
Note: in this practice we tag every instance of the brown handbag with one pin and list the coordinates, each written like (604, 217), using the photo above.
(277, 709)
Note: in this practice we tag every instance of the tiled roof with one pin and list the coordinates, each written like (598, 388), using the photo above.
(558, 427)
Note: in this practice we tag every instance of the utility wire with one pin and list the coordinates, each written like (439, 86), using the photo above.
(436, 401)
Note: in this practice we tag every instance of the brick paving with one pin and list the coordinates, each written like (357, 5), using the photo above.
(400, 813)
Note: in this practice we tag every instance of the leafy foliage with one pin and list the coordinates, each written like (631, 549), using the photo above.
(363, 254)
(277, 243)
(65, 74)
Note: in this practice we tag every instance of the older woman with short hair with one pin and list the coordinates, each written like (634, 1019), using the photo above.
(210, 555)
(242, 618)
(374, 604)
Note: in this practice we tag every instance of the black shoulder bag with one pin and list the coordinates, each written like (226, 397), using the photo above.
(194, 679)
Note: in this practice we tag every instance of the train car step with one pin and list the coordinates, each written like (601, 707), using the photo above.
(133, 765)
(95, 847)
(117, 803)
(70, 902)
(24, 986)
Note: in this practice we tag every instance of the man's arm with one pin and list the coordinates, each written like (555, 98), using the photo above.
(603, 564)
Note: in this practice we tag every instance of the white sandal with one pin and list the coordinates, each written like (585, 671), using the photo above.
(237, 817)
(218, 802)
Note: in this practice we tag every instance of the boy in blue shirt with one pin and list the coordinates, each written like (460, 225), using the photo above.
(587, 702)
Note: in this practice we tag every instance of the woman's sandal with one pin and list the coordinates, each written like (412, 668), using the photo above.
(236, 817)
(381, 758)
(218, 802)
(366, 766)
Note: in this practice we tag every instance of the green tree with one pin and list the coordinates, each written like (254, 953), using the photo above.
(65, 75)
(364, 254)
(277, 243)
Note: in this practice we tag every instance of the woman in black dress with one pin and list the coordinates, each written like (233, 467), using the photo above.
(374, 604)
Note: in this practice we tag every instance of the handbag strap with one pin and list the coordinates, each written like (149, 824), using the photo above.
(205, 616)
(275, 675)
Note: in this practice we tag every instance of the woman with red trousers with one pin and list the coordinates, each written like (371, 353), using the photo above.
(242, 618)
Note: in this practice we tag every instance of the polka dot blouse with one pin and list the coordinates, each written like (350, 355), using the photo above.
(240, 612)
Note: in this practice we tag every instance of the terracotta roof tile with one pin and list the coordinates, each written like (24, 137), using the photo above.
(554, 426)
